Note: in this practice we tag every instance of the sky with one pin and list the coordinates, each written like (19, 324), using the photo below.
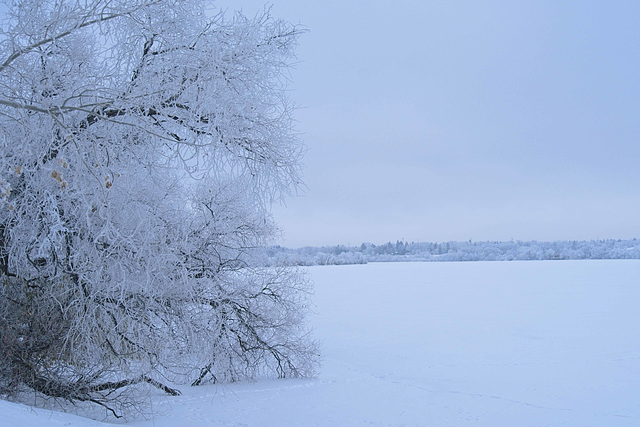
(452, 120)
(457, 120)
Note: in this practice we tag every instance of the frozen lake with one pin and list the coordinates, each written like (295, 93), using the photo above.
(511, 343)
(552, 343)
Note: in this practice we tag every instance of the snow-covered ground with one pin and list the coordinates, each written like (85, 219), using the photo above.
(553, 343)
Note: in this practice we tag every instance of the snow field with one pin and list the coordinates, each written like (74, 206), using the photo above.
(536, 343)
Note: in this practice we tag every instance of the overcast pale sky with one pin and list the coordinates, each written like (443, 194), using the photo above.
(457, 120)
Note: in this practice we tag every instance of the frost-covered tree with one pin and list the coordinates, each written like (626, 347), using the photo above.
(141, 144)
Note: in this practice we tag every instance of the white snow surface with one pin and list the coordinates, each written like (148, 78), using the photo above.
(552, 343)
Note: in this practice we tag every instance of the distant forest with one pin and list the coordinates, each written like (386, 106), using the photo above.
(455, 251)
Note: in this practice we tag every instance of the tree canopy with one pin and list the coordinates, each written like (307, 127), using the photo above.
(141, 144)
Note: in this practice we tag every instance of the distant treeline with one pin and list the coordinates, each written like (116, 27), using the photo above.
(455, 251)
